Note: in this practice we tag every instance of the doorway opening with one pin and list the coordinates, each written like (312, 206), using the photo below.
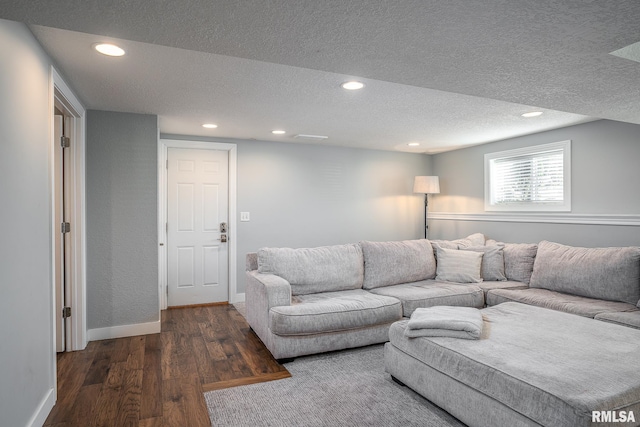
(61, 214)
(67, 217)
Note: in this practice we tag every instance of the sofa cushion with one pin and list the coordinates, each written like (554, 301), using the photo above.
(391, 263)
(312, 270)
(333, 312)
(458, 266)
(487, 286)
(582, 306)
(492, 261)
(552, 367)
(606, 273)
(624, 318)
(429, 293)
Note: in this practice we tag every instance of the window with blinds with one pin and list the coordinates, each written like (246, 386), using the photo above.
(529, 179)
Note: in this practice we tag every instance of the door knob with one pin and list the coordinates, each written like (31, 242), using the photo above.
(223, 238)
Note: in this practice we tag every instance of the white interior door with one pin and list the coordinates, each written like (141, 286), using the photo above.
(62, 255)
(67, 241)
(59, 242)
(197, 225)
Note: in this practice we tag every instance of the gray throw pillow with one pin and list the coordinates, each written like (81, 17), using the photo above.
(611, 274)
(392, 263)
(476, 239)
(446, 244)
(459, 266)
(518, 261)
(492, 261)
(312, 270)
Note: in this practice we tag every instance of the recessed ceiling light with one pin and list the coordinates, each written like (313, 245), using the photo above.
(353, 85)
(109, 49)
(532, 114)
(278, 132)
(209, 126)
(413, 144)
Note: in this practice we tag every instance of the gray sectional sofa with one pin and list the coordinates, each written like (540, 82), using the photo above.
(311, 300)
(562, 324)
(600, 283)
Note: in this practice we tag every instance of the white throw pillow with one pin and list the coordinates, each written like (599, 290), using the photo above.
(459, 266)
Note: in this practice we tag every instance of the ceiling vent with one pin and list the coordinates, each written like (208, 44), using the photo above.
(310, 137)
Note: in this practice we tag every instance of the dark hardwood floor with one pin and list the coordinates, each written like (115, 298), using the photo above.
(159, 380)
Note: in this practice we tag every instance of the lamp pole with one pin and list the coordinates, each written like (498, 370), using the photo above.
(426, 185)
(426, 219)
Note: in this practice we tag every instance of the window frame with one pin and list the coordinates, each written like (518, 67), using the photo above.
(564, 206)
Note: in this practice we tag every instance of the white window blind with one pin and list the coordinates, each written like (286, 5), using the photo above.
(530, 179)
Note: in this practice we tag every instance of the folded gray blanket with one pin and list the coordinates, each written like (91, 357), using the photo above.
(444, 321)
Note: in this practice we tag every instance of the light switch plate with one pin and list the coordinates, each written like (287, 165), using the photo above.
(244, 216)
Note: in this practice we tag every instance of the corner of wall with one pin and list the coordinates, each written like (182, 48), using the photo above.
(42, 412)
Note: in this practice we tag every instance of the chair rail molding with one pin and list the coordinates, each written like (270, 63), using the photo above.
(552, 218)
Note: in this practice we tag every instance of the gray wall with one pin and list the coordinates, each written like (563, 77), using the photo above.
(605, 179)
(310, 195)
(122, 206)
(26, 326)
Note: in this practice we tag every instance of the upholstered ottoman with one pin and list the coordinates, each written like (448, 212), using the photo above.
(533, 366)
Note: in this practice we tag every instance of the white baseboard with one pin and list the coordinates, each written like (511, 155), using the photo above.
(45, 407)
(238, 298)
(124, 331)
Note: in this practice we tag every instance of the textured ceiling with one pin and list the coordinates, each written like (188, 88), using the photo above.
(443, 73)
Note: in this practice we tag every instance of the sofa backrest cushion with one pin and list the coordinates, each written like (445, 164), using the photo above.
(476, 239)
(392, 263)
(251, 261)
(313, 270)
(611, 274)
(518, 261)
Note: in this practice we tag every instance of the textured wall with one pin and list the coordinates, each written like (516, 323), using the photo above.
(26, 351)
(309, 195)
(304, 196)
(122, 204)
(605, 177)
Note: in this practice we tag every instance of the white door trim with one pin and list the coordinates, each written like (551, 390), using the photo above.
(163, 146)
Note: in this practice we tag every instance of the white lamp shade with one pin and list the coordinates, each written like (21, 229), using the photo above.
(426, 185)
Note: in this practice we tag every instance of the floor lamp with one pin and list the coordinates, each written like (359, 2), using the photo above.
(426, 185)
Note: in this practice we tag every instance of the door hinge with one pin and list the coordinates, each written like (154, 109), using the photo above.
(65, 142)
(167, 164)
(66, 312)
(65, 227)
(166, 227)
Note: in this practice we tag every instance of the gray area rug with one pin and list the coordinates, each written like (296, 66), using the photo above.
(346, 388)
